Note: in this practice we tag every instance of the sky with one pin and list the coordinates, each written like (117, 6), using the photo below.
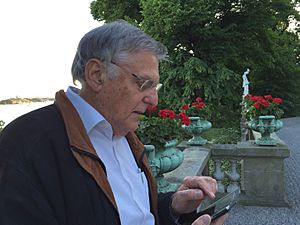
(38, 41)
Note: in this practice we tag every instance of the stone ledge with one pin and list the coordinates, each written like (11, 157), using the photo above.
(195, 160)
(250, 149)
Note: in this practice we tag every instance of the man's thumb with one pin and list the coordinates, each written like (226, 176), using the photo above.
(202, 220)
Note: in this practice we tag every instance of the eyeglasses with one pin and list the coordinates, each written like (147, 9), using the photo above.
(144, 84)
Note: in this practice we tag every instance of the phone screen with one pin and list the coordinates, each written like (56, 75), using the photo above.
(215, 208)
(220, 206)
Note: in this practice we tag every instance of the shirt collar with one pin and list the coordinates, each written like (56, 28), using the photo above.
(88, 114)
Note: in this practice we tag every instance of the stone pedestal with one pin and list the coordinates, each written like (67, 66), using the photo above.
(262, 181)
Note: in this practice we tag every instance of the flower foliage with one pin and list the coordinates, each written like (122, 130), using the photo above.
(197, 108)
(159, 126)
(255, 106)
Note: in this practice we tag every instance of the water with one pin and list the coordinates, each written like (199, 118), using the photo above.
(11, 111)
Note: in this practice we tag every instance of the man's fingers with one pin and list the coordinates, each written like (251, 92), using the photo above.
(190, 194)
(206, 220)
(202, 220)
(186, 201)
(207, 184)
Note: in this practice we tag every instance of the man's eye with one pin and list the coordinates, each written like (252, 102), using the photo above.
(141, 83)
(147, 84)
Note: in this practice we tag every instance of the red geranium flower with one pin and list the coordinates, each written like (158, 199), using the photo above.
(268, 97)
(151, 108)
(160, 126)
(197, 108)
(255, 106)
(198, 99)
(277, 100)
(184, 119)
(185, 107)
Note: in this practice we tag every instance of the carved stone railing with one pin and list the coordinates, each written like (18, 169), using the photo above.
(261, 176)
(226, 152)
(257, 171)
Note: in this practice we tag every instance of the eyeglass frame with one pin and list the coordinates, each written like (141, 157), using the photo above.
(142, 82)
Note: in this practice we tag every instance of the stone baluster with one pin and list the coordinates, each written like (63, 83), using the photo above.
(234, 177)
(219, 175)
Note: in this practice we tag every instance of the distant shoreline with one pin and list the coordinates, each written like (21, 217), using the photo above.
(9, 112)
(13, 101)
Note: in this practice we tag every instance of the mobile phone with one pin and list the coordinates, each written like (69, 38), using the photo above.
(215, 208)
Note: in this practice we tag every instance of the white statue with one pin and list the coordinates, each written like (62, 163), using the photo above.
(246, 82)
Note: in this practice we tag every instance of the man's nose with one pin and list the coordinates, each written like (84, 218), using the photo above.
(151, 98)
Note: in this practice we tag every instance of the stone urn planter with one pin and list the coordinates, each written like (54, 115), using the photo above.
(196, 128)
(162, 161)
(265, 125)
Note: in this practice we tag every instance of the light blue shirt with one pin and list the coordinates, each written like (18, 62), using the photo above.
(128, 183)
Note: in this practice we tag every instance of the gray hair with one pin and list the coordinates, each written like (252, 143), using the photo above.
(113, 42)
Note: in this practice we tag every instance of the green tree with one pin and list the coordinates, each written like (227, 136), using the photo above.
(211, 44)
(109, 10)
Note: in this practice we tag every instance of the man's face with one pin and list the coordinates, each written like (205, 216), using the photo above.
(123, 101)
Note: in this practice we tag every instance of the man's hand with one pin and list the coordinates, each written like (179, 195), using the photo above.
(191, 192)
(206, 219)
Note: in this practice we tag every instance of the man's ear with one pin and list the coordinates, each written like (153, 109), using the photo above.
(94, 74)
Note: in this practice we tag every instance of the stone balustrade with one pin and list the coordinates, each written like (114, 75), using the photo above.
(226, 152)
(261, 179)
(257, 171)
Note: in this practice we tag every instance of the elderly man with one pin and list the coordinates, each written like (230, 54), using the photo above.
(78, 161)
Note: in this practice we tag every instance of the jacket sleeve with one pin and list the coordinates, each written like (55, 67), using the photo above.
(20, 202)
(164, 213)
